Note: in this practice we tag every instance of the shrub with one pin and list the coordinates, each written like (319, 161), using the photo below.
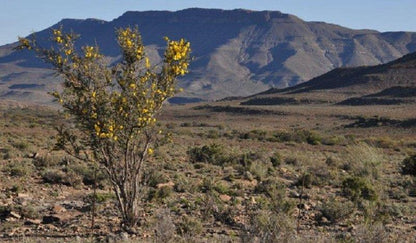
(276, 194)
(164, 226)
(408, 166)
(189, 226)
(99, 197)
(358, 188)
(86, 172)
(19, 168)
(56, 176)
(363, 160)
(335, 210)
(155, 177)
(305, 180)
(46, 160)
(113, 107)
(276, 159)
(21, 145)
(254, 134)
(266, 226)
(212, 154)
(259, 169)
(373, 233)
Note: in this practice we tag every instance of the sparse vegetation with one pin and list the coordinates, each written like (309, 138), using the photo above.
(222, 179)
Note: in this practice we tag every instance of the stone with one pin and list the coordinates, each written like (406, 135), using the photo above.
(225, 198)
(294, 194)
(33, 222)
(58, 209)
(324, 220)
(168, 184)
(14, 215)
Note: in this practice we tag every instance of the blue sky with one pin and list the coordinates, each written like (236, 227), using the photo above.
(21, 17)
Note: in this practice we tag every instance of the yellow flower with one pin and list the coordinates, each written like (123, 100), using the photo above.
(132, 85)
(150, 151)
(147, 62)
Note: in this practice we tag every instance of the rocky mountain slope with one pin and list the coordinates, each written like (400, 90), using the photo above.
(390, 83)
(236, 52)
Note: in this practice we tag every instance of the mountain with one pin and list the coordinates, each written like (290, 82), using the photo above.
(236, 52)
(387, 84)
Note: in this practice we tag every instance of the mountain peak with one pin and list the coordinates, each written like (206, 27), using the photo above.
(208, 15)
(236, 52)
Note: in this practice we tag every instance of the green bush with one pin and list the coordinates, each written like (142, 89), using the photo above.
(86, 173)
(212, 154)
(305, 180)
(55, 176)
(335, 211)
(358, 188)
(189, 226)
(155, 177)
(100, 197)
(254, 135)
(47, 160)
(409, 166)
(276, 159)
(18, 168)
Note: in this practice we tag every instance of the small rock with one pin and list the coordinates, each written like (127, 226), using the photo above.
(294, 194)
(33, 222)
(169, 184)
(324, 220)
(225, 198)
(14, 215)
(58, 209)
(23, 195)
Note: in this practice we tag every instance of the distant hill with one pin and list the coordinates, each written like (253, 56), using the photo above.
(390, 83)
(236, 52)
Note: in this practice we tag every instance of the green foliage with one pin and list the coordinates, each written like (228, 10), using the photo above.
(267, 226)
(86, 172)
(155, 177)
(57, 176)
(408, 166)
(358, 188)
(276, 159)
(363, 160)
(335, 210)
(47, 160)
(306, 180)
(212, 154)
(19, 168)
(276, 195)
(100, 197)
(189, 226)
(254, 134)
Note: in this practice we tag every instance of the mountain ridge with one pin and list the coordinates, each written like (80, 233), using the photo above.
(236, 52)
(391, 83)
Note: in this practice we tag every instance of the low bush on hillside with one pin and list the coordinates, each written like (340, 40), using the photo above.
(409, 166)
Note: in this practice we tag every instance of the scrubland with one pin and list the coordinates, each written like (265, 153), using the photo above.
(231, 173)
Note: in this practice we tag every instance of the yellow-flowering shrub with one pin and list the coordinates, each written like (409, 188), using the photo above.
(113, 108)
